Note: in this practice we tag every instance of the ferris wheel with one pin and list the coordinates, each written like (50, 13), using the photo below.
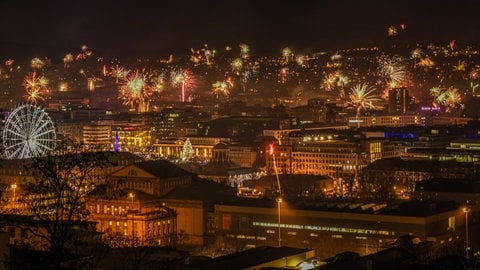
(28, 132)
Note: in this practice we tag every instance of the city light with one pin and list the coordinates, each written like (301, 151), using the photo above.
(204, 110)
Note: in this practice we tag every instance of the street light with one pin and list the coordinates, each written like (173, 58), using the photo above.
(279, 203)
(14, 187)
(279, 199)
(132, 195)
(467, 247)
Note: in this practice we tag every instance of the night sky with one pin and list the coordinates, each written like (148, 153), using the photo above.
(162, 27)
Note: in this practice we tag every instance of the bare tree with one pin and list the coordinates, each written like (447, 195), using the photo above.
(57, 197)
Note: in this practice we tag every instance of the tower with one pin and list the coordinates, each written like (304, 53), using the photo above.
(398, 100)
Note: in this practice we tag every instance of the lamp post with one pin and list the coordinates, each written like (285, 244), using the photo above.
(14, 187)
(279, 199)
(467, 247)
(132, 195)
(279, 203)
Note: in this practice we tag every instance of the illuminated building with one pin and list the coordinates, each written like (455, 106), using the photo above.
(97, 136)
(170, 122)
(136, 216)
(160, 178)
(130, 137)
(156, 177)
(387, 120)
(395, 177)
(202, 146)
(222, 169)
(72, 130)
(333, 227)
(398, 100)
(324, 155)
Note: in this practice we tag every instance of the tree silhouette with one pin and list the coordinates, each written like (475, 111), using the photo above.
(57, 197)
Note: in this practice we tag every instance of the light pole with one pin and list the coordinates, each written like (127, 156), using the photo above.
(467, 247)
(132, 195)
(279, 203)
(14, 187)
(279, 199)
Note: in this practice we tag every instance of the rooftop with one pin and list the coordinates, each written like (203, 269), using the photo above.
(408, 209)
(249, 258)
(162, 168)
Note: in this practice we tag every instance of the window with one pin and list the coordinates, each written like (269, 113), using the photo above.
(451, 223)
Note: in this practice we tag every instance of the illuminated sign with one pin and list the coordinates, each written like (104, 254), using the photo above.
(431, 109)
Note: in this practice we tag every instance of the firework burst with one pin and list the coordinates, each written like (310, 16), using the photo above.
(286, 54)
(426, 63)
(244, 50)
(183, 78)
(460, 66)
(363, 97)
(237, 65)
(222, 87)
(450, 97)
(416, 53)
(67, 60)
(283, 75)
(301, 60)
(392, 31)
(36, 87)
(393, 71)
(333, 80)
(135, 92)
(37, 63)
(118, 73)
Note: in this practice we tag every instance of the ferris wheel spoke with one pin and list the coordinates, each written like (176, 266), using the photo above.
(18, 136)
(25, 151)
(33, 151)
(37, 121)
(18, 128)
(43, 147)
(42, 129)
(45, 140)
(16, 145)
(46, 135)
(16, 151)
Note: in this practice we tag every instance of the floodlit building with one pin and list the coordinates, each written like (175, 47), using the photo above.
(332, 227)
(136, 218)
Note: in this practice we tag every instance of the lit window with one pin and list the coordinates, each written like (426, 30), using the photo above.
(451, 223)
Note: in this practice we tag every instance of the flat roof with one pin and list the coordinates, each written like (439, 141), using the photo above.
(407, 209)
(248, 258)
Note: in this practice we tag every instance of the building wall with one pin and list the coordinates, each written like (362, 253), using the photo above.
(146, 223)
(97, 136)
(243, 156)
(333, 158)
(328, 232)
(191, 219)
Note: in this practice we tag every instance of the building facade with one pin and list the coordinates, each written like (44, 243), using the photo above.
(331, 228)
